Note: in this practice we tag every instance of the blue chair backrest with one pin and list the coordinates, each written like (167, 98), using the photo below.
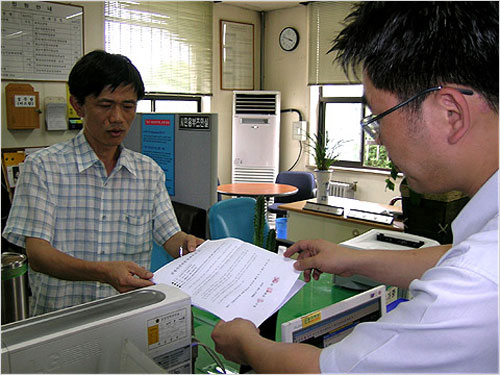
(304, 181)
(233, 218)
(159, 257)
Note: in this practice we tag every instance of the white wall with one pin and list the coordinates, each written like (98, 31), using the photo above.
(287, 72)
(222, 99)
(283, 71)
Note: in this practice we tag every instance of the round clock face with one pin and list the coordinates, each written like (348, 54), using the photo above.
(289, 39)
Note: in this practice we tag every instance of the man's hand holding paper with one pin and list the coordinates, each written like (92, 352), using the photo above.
(233, 279)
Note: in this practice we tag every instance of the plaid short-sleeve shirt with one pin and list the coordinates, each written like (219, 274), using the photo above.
(65, 197)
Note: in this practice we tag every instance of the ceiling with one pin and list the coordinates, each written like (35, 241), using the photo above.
(263, 6)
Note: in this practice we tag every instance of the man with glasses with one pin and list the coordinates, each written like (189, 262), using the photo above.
(370, 124)
(430, 74)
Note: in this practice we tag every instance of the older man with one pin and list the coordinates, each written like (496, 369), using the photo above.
(87, 210)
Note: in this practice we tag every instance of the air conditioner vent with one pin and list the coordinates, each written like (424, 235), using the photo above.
(255, 136)
(257, 104)
(248, 174)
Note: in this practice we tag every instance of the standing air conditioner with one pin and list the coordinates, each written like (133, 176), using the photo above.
(256, 136)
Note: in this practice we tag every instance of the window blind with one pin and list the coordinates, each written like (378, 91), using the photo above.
(325, 22)
(170, 42)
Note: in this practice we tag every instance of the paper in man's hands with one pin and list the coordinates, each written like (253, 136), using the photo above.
(233, 279)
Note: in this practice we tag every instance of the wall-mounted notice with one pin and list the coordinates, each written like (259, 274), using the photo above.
(41, 41)
(158, 144)
(236, 53)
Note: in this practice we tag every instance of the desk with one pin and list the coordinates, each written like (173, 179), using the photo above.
(304, 224)
(313, 296)
(255, 189)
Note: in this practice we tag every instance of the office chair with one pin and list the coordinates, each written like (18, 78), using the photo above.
(219, 195)
(233, 218)
(304, 181)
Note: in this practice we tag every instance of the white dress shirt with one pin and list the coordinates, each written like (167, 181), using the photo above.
(451, 324)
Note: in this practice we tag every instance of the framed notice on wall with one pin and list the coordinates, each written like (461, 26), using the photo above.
(41, 41)
(237, 57)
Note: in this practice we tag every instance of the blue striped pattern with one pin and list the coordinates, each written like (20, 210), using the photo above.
(65, 197)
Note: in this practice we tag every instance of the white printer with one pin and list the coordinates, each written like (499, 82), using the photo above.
(383, 240)
(144, 331)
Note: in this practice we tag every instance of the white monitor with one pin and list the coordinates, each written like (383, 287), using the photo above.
(331, 324)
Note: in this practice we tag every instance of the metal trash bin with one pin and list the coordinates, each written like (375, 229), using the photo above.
(14, 287)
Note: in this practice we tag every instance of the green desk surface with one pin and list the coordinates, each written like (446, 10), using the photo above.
(313, 296)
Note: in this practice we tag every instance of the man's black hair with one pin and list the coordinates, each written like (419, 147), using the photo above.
(407, 47)
(99, 69)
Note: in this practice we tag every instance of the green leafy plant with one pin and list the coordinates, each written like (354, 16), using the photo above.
(260, 238)
(390, 181)
(323, 152)
(376, 156)
(271, 240)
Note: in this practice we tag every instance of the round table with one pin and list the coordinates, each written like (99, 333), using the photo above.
(247, 189)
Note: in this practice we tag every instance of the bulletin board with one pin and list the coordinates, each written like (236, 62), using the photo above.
(41, 41)
(236, 55)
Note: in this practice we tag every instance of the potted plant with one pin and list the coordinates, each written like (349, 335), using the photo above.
(260, 238)
(324, 154)
(266, 241)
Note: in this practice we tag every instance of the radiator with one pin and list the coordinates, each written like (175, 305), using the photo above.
(342, 189)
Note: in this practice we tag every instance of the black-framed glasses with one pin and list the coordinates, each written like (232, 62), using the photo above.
(370, 124)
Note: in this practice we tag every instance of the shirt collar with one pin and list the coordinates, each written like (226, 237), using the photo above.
(86, 157)
(126, 160)
(482, 207)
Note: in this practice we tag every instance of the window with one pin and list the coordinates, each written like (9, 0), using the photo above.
(340, 104)
(169, 42)
(341, 108)
(169, 103)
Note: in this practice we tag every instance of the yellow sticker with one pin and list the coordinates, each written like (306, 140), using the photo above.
(311, 319)
(71, 111)
(153, 334)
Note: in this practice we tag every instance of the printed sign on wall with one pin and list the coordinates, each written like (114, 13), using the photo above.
(158, 144)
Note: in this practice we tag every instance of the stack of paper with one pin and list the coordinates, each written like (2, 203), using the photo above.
(233, 279)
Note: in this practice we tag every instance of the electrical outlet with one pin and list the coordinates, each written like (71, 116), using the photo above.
(299, 130)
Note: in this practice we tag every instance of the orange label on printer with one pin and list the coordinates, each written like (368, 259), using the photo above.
(153, 334)
(311, 319)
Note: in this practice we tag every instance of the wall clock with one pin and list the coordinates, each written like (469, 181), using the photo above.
(289, 39)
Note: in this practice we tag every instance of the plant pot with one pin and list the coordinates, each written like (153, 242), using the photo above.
(430, 215)
(323, 183)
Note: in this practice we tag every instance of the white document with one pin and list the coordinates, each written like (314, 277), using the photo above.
(233, 279)
(56, 116)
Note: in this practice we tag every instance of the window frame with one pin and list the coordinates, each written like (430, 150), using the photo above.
(154, 97)
(323, 101)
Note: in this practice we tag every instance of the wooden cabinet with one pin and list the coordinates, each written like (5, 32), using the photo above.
(303, 224)
(23, 106)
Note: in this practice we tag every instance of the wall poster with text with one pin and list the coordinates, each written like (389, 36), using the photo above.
(158, 143)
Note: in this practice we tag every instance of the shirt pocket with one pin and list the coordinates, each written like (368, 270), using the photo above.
(136, 233)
